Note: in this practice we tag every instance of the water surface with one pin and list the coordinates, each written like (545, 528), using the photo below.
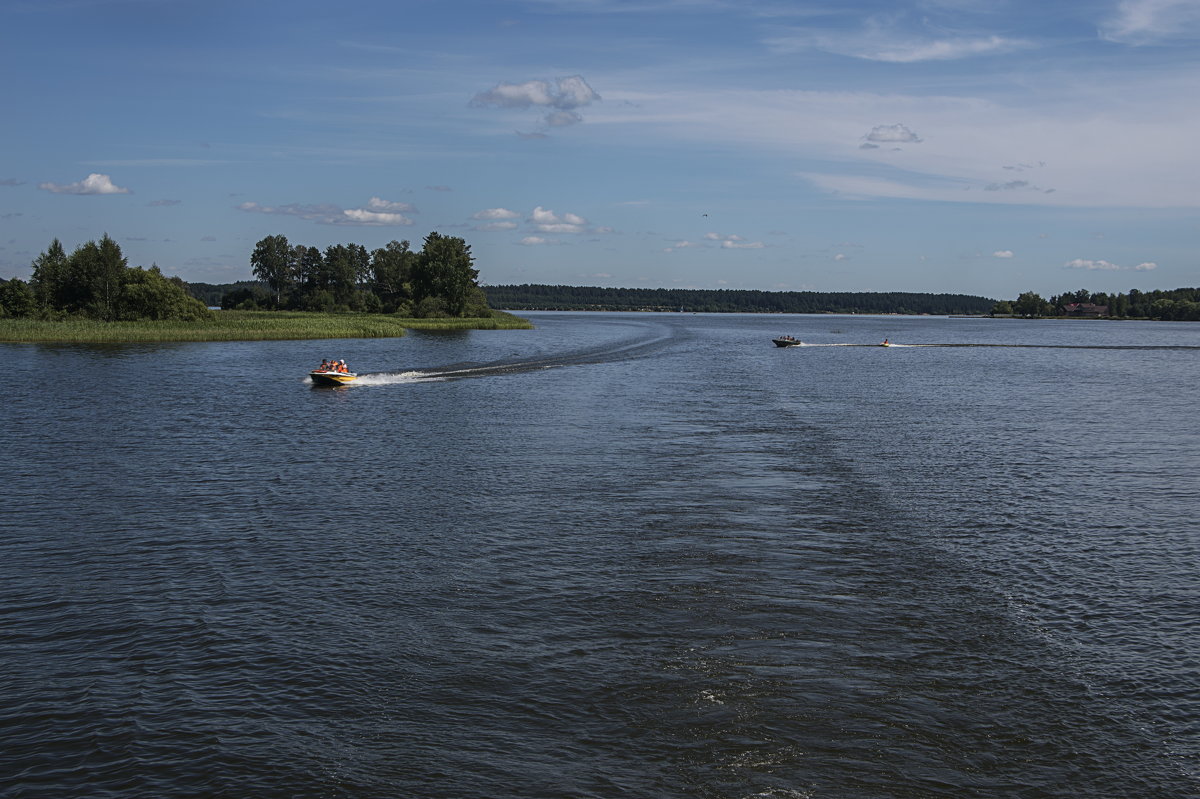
(618, 555)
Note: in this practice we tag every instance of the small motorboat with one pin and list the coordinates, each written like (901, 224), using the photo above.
(787, 341)
(328, 377)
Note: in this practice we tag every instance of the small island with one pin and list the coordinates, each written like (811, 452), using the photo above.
(94, 296)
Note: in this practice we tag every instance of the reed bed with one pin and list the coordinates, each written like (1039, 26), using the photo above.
(242, 326)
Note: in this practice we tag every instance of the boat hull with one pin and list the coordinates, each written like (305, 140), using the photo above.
(332, 378)
(787, 342)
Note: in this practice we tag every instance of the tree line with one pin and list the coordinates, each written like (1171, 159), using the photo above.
(437, 281)
(96, 282)
(527, 297)
(1176, 305)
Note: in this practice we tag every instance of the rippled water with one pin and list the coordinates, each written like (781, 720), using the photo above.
(618, 555)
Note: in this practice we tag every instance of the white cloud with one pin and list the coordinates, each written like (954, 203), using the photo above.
(1002, 254)
(361, 216)
(1076, 126)
(376, 204)
(1148, 21)
(546, 221)
(840, 257)
(94, 183)
(329, 214)
(1145, 267)
(732, 241)
(534, 241)
(492, 227)
(561, 97)
(495, 213)
(1090, 265)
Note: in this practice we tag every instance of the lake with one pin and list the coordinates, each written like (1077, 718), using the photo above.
(620, 555)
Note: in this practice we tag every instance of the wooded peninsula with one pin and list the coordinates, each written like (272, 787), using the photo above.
(349, 291)
(344, 292)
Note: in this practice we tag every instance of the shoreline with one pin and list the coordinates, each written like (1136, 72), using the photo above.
(242, 326)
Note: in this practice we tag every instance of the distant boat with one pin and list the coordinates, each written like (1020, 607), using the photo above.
(787, 341)
(331, 378)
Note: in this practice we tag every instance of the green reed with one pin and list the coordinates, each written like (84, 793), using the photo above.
(243, 326)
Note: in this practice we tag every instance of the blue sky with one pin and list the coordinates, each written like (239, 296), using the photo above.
(974, 146)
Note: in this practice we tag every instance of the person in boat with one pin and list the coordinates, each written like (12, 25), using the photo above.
(341, 367)
(885, 342)
(324, 367)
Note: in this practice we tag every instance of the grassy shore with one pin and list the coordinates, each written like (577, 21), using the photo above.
(244, 326)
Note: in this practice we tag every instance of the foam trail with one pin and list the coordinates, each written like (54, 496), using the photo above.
(393, 378)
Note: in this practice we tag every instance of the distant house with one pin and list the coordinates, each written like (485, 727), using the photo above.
(1086, 310)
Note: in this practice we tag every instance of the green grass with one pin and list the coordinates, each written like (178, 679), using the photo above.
(243, 326)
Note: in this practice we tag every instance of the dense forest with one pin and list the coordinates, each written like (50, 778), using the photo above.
(591, 298)
(1176, 305)
(96, 282)
(437, 281)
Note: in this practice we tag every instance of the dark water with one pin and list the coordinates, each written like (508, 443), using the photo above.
(616, 556)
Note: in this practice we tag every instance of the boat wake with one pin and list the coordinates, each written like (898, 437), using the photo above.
(962, 345)
(649, 340)
(393, 378)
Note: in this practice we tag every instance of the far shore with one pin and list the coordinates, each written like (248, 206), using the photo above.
(243, 326)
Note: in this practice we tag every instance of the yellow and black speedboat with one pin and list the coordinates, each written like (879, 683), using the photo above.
(329, 377)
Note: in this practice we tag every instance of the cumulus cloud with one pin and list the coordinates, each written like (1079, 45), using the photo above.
(1002, 254)
(495, 213)
(546, 221)
(534, 241)
(384, 206)
(378, 213)
(1090, 265)
(1145, 267)
(560, 98)
(892, 134)
(94, 183)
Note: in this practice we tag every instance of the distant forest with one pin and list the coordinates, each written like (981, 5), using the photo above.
(528, 297)
(1175, 305)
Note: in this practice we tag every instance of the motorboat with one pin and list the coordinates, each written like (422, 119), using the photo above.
(787, 341)
(329, 377)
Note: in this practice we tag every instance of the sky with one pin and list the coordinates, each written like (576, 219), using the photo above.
(984, 147)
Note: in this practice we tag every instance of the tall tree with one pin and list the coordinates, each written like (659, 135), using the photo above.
(444, 271)
(49, 277)
(95, 273)
(1031, 304)
(341, 267)
(272, 262)
(391, 271)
